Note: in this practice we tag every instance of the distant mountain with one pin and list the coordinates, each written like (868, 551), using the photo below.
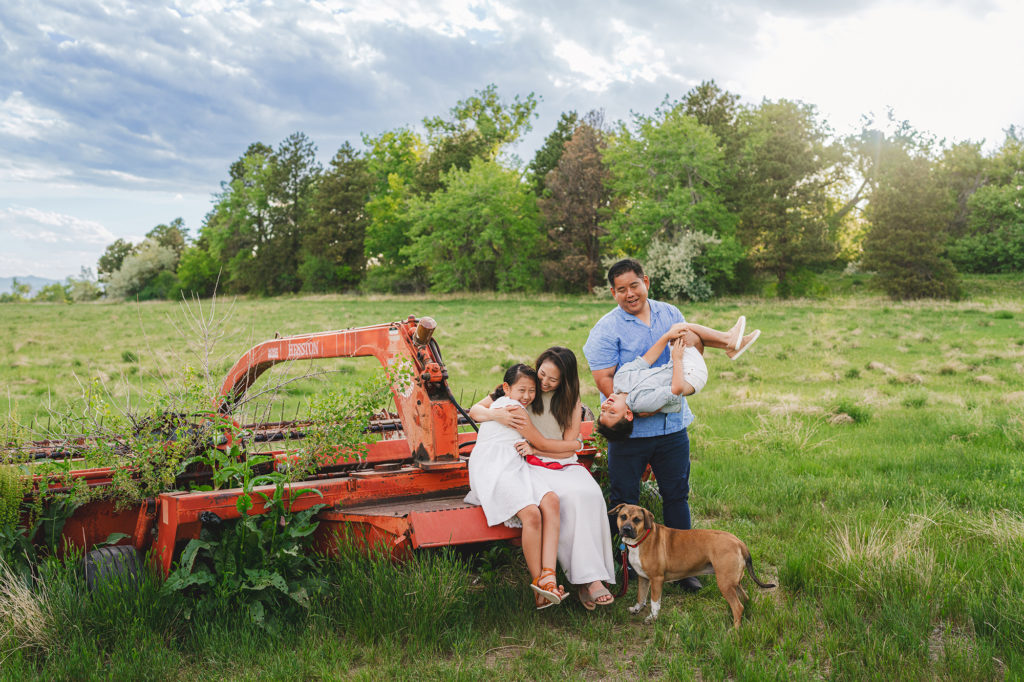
(37, 283)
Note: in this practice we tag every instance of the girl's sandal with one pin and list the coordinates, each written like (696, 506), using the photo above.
(546, 588)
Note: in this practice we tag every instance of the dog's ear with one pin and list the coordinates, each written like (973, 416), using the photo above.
(615, 510)
(648, 520)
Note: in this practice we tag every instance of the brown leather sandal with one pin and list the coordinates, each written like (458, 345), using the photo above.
(546, 589)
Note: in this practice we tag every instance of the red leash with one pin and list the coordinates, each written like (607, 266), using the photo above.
(625, 574)
(625, 569)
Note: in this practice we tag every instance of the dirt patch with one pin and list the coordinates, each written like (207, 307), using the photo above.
(877, 366)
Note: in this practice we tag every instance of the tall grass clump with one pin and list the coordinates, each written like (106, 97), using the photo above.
(859, 413)
(424, 602)
(26, 622)
(783, 434)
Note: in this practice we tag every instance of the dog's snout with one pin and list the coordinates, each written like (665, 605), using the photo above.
(627, 531)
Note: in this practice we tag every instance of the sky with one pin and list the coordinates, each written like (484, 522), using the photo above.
(119, 115)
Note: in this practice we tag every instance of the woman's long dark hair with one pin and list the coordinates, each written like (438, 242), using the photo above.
(567, 395)
(514, 374)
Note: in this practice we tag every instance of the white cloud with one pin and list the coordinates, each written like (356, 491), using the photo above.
(51, 227)
(19, 117)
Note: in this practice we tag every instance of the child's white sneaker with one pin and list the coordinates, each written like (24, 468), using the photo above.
(748, 341)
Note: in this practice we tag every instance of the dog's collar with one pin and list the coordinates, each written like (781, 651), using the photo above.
(642, 538)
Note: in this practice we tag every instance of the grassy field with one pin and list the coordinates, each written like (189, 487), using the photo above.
(868, 452)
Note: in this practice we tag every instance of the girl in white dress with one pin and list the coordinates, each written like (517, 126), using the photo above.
(501, 482)
(552, 427)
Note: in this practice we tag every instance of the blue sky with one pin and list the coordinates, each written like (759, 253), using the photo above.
(116, 116)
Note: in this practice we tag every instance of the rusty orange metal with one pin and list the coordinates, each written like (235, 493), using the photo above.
(405, 493)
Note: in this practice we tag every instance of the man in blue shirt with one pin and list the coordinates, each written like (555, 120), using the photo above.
(658, 439)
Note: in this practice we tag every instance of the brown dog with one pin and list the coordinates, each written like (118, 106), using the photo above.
(659, 553)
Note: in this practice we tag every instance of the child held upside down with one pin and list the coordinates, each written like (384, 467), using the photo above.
(500, 482)
(640, 388)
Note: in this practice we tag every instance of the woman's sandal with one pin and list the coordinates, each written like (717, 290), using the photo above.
(547, 589)
(589, 597)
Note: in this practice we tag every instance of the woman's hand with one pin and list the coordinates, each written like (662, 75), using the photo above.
(513, 416)
(524, 448)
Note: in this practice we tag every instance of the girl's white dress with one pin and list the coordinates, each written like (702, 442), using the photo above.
(499, 479)
(584, 541)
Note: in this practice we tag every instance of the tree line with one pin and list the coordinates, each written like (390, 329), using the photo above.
(712, 194)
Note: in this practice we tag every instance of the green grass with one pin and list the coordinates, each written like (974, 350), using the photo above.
(895, 534)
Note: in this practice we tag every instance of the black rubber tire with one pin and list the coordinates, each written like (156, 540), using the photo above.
(120, 564)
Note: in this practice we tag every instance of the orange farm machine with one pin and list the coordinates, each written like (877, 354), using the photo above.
(406, 492)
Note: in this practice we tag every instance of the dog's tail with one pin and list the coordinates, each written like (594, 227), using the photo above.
(750, 572)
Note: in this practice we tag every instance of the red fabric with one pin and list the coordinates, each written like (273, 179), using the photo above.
(538, 462)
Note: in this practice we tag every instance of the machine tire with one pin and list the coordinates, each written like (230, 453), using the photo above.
(120, 564)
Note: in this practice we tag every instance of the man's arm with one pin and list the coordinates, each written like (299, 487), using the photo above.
(605, 380)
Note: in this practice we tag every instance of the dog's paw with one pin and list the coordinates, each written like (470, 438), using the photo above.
(650, 619)
(636, 608)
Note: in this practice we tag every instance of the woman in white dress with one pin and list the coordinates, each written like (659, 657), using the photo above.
(552, 427)
(502, 483)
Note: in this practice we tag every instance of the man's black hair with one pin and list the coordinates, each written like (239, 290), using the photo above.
(623, 266)
(620, 430)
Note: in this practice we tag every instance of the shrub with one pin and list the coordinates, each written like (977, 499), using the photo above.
(689, 266)
(140, 268)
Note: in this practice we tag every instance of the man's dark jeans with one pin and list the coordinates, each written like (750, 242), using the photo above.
(669, 457)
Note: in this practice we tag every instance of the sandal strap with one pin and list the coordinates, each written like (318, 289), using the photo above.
(545, 573)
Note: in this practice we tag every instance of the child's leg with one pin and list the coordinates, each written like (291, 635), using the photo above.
(549, 513)
(714, 338)
(532, 535)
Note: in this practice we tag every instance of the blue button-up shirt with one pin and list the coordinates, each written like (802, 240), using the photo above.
(618, 338)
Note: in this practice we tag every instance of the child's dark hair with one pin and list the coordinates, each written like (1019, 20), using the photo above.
(514, 374)
(567, 395)
(620, 430)
(623, 266)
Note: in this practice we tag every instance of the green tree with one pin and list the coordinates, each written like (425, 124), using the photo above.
(481, 232)
(715, 108)
(787, 180)
(961, 170)
(992, 239)
(84, 287)
(547, 157)
(198, 271)
(113, 256)
(256, 225)
(19, 292)
(240, 227)
(909, 211)
(294, 174)
(667, 177)
(140, 268)
(333, 245)
(53, 293)
(173, 235)
(478, 127)
(392, 161)
(574, 206)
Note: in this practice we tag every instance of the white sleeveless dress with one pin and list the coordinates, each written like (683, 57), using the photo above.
(584, 541)
(499, 479)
